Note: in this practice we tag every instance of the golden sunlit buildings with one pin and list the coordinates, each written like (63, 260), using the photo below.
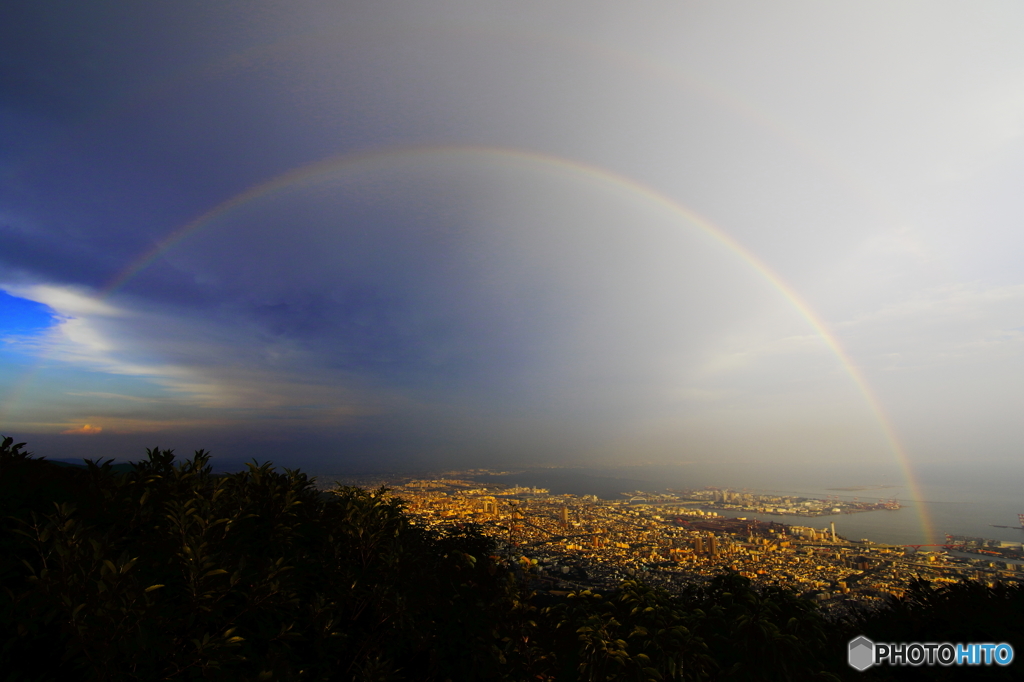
(672, 545)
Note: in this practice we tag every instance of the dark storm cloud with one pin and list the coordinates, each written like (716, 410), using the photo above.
(56, 257)
(478, 305)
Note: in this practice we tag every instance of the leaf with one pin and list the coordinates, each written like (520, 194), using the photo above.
(154, 587)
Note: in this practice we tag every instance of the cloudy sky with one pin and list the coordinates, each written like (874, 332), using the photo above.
(346, 235)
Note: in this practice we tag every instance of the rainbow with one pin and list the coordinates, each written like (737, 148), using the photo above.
(532, 160)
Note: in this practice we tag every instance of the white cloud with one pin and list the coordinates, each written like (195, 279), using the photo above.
(950, 324)
(190, 364)
(66, 301)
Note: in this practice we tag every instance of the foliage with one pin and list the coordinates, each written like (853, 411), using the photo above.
(725, 630)
(964, 612)
(171, 572)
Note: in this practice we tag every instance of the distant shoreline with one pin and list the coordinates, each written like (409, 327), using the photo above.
(856, 488)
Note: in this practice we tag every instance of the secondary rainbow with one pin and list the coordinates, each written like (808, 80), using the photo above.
(334, 164)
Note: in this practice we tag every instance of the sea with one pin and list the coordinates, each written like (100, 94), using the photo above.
(967, 501)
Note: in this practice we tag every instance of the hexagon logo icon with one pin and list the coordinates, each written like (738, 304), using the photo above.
(862, 653)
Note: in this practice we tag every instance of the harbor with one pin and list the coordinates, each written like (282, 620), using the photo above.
(781, 505)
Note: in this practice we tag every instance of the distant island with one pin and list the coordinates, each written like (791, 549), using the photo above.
(855, 488)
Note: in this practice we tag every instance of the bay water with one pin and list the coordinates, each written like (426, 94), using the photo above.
(951, 499)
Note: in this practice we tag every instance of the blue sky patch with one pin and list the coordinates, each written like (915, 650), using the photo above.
(21, 316)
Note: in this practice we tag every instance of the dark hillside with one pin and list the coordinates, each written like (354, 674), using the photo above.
(170, 572)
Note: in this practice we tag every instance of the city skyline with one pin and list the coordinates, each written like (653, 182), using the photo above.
(480, 235)
(677, 539)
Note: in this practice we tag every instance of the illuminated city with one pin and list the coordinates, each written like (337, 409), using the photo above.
(673, 539)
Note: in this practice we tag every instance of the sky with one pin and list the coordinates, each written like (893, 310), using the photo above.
(365, 236)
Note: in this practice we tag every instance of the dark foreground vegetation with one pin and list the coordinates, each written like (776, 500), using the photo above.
(168, 571)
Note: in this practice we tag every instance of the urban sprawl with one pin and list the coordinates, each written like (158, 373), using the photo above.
(674, 539)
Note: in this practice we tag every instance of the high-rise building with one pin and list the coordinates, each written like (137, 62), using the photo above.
(713, 545)
(698, 545)
(563, 515)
